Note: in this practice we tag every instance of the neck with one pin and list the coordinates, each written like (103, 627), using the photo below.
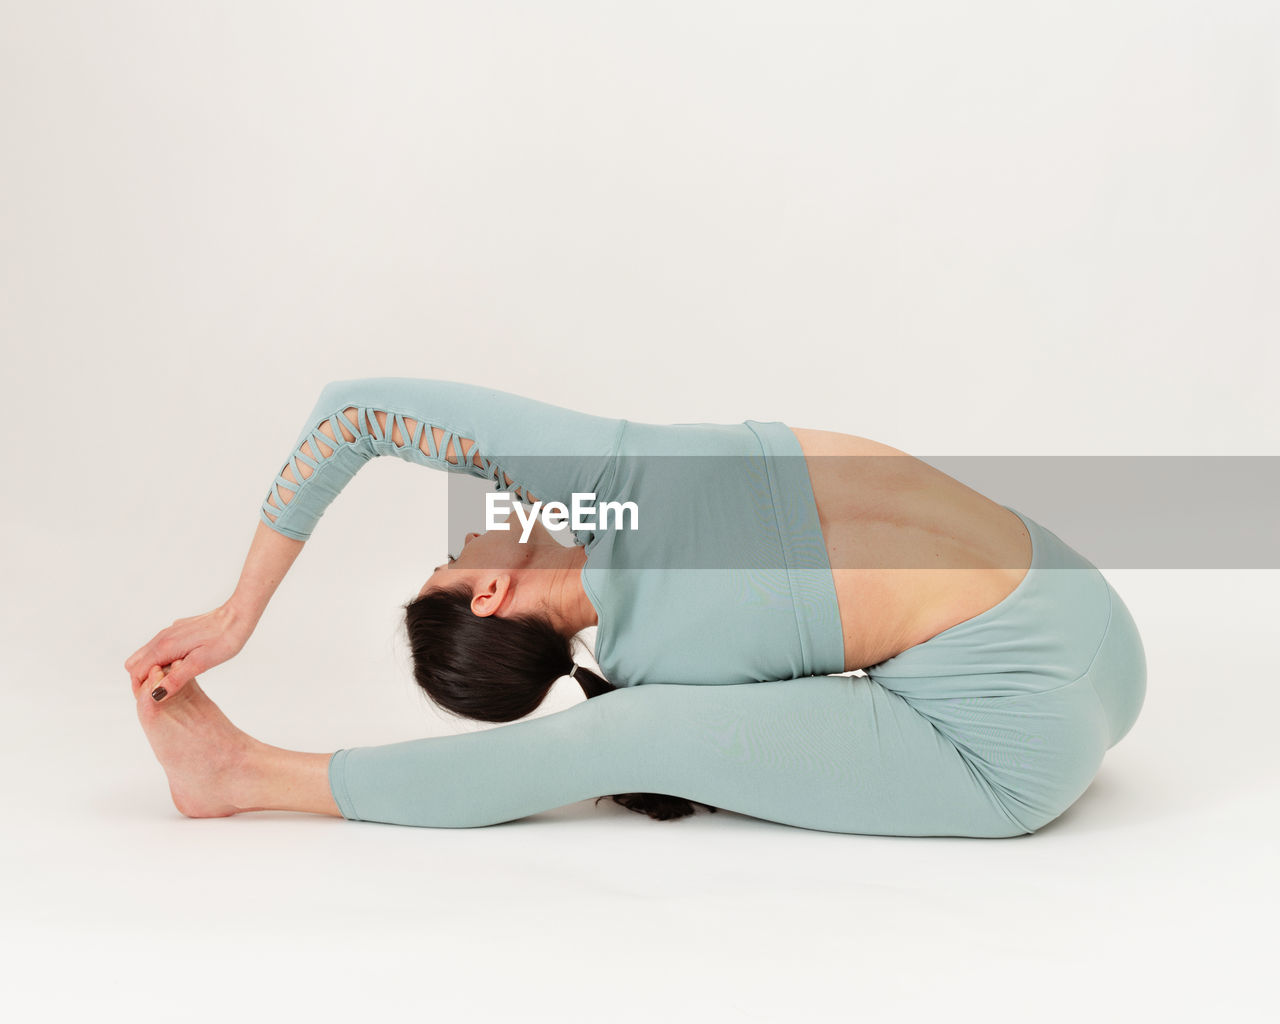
(570, 609)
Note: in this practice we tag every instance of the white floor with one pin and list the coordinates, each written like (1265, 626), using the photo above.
(1155, 893)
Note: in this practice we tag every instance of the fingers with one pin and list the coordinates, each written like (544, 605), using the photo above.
(175, 677)
(158, 652)
(138, 675)
(139, 670)
(161, 682)
(142, 661)
(130, 662)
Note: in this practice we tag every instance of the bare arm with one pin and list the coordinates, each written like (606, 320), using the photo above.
(443, 424)
(204, 641)
(270, 557)
(272, 554)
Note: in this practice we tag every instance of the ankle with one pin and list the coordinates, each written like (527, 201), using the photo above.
(275, 779)
(250, 782)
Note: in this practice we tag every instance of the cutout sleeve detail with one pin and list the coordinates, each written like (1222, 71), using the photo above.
(536, 450)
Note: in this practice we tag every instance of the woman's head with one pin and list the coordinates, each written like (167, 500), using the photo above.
(492, 668)
(498, 668)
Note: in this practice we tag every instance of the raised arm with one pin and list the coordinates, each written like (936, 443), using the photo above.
(533, 449)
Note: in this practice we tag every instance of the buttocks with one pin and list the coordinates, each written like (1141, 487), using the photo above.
(723, 576)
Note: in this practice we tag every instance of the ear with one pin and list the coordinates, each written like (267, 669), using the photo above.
(489, 594)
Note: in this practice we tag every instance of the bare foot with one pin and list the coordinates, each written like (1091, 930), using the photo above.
(205, 757)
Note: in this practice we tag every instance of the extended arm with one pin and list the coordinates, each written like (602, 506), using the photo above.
(534, 449)
(531, 448)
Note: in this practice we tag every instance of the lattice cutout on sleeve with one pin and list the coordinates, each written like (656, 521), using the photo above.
(407, 436)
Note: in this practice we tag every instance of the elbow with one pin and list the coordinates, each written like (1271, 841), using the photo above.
(336, 391)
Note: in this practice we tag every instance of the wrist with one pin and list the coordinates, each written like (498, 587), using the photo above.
(267, 563)
(241, 613)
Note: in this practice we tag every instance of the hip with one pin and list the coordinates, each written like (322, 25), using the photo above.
(1036, 689)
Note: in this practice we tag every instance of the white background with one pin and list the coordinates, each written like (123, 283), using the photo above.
(980, 228)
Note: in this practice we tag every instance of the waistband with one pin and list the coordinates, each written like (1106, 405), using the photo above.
(813, 588)
(1044, 633)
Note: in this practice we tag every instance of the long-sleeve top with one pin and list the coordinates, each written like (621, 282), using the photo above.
(724, 578)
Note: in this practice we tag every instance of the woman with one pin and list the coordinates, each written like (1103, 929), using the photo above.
(1000, 664)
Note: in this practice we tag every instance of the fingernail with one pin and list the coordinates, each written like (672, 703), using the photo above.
(159, 694)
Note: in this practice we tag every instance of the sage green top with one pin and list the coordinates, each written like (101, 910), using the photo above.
(725, 578)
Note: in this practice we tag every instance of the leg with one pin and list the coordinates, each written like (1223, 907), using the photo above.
(825, 752)
(215, 769)
(832, 753)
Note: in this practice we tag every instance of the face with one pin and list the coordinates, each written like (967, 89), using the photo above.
(484, 554)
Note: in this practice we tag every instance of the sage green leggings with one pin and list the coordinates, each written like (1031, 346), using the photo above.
(991, 729)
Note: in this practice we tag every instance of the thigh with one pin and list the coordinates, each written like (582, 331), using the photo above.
(834, 753)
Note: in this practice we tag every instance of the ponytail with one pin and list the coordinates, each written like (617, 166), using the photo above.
(656, 805)
(495, 669)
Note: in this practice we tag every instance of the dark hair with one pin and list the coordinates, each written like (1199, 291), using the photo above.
(499, 669)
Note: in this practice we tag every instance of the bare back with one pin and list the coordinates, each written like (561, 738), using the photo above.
(879, 514)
